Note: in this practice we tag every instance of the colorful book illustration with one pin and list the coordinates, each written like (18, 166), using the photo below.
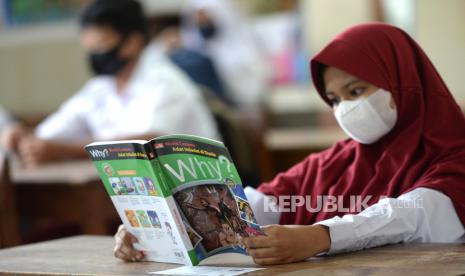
(180, 195)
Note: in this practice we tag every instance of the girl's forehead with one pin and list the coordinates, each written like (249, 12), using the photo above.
(335, 78)
(333, 73)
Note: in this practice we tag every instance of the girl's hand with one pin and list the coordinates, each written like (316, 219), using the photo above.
(124, 246)
(288, 243)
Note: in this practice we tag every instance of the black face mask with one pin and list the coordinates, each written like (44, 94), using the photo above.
(208, 31)
(108, 63)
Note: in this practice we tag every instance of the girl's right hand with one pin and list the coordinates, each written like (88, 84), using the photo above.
(124, 248)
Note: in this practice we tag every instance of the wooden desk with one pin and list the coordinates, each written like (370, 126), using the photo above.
(285, 139)
(94, 255)
(68, 192)
(288, 146)
(74, 173)
(299, 122)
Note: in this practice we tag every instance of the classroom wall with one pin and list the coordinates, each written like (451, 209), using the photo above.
(41, 67)
(325, 19)
(438, 29)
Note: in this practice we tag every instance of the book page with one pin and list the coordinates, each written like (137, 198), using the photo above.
(129, 178)
(208, 192)
(206, 271)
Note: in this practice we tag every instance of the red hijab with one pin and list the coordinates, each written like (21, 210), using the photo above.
(426, 147)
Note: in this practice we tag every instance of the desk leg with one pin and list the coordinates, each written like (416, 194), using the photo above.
(87, 205)
(100, 212)
(9, 233)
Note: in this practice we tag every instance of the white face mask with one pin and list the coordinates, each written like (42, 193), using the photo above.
(367, 119)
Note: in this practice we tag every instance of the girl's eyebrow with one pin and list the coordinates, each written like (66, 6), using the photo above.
(350, 82)
(346, 86)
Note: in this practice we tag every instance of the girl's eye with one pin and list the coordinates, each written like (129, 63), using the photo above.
(357, 92)
(335, 101)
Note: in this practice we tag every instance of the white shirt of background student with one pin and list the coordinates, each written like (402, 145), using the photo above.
(126, 100)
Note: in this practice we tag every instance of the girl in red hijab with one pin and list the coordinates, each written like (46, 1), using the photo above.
(405, 158)
(400, 177)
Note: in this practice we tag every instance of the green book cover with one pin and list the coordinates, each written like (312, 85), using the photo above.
(181, 195)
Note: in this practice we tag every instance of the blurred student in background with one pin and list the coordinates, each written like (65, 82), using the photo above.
(216, 29)
(199, 67)
(128, 98)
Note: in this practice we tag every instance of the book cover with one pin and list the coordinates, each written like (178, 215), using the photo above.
(181, 195)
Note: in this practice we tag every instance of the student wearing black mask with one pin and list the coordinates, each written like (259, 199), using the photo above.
(108, 62)
(113, 40)
(129, 97)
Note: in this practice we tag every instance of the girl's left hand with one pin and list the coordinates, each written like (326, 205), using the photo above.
(287, 243)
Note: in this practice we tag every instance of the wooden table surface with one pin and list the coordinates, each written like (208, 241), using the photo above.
(282, 139)
(74, 172)
(65, 192)
(84, 255)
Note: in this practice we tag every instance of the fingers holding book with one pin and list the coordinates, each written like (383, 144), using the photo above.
(124, 248)
(287, 243)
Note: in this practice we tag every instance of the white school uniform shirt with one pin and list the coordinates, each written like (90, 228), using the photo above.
(158, 99)
(422, 215)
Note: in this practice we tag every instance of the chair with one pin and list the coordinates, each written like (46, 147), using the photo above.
(235, 138)
(9, 230)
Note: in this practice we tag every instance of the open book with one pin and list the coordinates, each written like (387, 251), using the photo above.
(180, 195)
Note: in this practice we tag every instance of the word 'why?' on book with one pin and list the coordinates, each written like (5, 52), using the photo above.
(180, 195)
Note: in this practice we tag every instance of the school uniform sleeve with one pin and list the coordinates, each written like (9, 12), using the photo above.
(182, 113)
(258, 201)
(68, 123)
(422, 215)
(180, 107)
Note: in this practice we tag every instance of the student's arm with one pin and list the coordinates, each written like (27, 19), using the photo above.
(387, 222)
(282, 243)
(12, 134)
(422, 215)
(69, 122)
(35, 151)
(287, 243)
